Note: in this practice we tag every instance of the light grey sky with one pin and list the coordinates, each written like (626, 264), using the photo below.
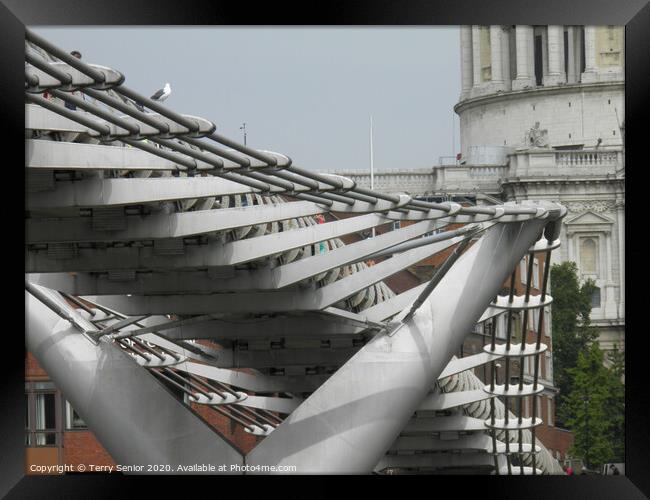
(304, 92)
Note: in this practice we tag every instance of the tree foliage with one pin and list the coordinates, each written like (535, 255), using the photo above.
(592, 396)
(594, 409)
(616, 403)
(572, 331)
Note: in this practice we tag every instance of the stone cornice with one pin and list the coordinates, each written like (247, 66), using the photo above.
(521, 94)
(510, 181)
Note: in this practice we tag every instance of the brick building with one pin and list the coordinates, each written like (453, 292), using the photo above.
(56, 435)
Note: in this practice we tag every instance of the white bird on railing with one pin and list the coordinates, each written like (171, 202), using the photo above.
(162, 94)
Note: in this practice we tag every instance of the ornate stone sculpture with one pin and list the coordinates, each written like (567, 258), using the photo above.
(598, 206)
(536, 137)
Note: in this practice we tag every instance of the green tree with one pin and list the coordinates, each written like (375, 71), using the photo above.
(616, 403)
(616, 359)
(572, 331)
(594, 409)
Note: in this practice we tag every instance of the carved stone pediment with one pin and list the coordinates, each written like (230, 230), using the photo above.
(589, 218)
(590, 222)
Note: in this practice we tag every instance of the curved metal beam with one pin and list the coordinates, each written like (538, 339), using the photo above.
(111, 392)
(348, 424)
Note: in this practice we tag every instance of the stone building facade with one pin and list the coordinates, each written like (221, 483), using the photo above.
(567, 78)
(554, 97)
(541, 113)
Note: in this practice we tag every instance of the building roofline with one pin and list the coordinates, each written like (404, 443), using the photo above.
(555, 89)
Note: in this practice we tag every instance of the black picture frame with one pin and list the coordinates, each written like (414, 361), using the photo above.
(634, 14)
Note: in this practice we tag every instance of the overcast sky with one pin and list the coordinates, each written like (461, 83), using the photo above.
(304, 92)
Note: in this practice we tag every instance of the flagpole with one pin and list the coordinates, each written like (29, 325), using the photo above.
(453, 135)
(372, 169)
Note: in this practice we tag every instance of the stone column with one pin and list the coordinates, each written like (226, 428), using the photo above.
(523, 39)
(620, 250)
(577, 43)
(609, 307)
(571, 63)
(590, 74)
(555, 36)
(531, 56)
(476, 57)
(495, 56)
(569, 246)
(505, 58)
(609, 259)
(467, 77)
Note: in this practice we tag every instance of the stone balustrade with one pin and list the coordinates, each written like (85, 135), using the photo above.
(587, 158)
(487, 179)
(549, 162)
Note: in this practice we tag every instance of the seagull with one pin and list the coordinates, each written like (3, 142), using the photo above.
(162, 94)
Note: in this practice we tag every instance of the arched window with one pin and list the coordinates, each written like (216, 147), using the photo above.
(589, 256)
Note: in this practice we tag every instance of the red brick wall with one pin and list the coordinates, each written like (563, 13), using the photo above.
(230, 430)
(82, 447)
(402, 281)
(439, 258)
(34, 371)
(555, 439)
